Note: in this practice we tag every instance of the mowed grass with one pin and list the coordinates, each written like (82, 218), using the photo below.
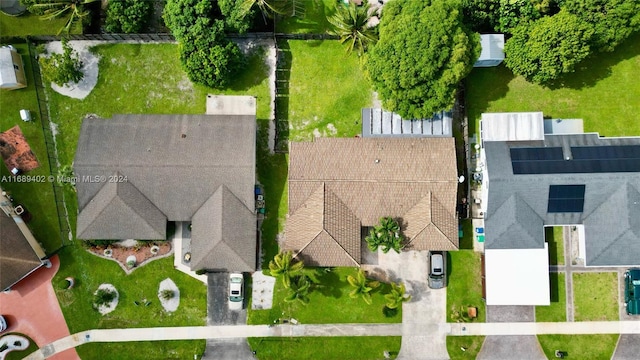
(592, 347)
(313, 21)
(471, 345)
(464, 287)
(325, 348)
(555, 240)
(329, 302)
(29, 24)
(37, 197)
(327, 91)
(603, 91)
(143, 350)
(147, 79)
(595, 296)
(20, 354)
(557, 311)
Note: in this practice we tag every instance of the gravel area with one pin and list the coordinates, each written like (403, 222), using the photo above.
(262, 291)
(107, 308)
(89, 68)
(172, 304)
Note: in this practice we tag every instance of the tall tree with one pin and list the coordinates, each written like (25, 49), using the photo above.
(351, 24)
(283, 266)
(127, 16)
(62, 68)
(180, 15)
(299, 290)
(236, 19)
(362, 286)
(613, 20)
(74, 10)
(423, 52)
(268, 8)
(543, 50)
(397, 296)
(386, 235)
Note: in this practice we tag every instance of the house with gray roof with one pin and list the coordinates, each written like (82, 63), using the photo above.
(20, 252)
(340, 186)
(137, 172)
(583, 180)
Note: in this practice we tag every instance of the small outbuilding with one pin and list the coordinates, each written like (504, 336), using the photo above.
(11, 69)
(492, 50)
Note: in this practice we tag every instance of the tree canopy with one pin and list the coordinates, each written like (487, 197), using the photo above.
(236, 17)
(543, 50)
(351, 24)
(422, 54)
(180, 15)
(62, 68)
(127, 16)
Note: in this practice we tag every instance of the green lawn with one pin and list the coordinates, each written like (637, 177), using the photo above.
(29, 24)
(325, 348)
(471, 345)
(595, 296)
(16, 355)
(36, 196)
(553, 236)
(603, 92)
(592, 347)
(327, 91)
(145, 350)
(329, 302)
(557, 311)
(464, 286)
(314, 19)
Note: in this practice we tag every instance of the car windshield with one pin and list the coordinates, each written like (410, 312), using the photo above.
(236, 280)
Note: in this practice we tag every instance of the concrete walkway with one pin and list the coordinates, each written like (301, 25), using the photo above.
(239, 331)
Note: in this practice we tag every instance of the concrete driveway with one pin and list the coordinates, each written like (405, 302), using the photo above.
(524, 347)
(424, 317)
(218, 313)
(628, 348)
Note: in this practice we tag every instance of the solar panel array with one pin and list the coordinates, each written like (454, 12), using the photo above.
(585, 159)
(566, 198)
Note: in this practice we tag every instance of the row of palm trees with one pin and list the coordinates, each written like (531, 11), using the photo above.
(299, 284)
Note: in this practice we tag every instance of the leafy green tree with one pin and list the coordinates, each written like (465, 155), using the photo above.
(423, 52)
(350, 23)
(386, 235)
(299, 290)
(62, 68)
(514, 12)
(397, 296)
(613, 20)
(208, 57)
(268, 8)
(127, 16)
(283, 266)
(481, 15)
(362, 286)
(543, 50)
(74, 10)
(180, 15)
(235, 17)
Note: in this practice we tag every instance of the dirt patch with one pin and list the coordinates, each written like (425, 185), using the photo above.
(16, 152)
(143, 253)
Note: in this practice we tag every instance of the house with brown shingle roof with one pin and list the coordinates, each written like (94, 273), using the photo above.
(338, 187)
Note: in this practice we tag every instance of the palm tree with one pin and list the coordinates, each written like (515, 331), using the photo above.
(386, 235)
(299, 290)
(268, 8)
(362, 286)
(282, 265)
(397, 296)
(58, 8)
(351, 24)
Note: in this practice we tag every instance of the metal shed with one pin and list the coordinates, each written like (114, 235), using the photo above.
(378, 122)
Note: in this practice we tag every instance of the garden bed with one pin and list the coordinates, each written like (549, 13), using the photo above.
(142, 253)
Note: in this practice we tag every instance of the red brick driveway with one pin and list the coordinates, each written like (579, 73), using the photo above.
(31, 308)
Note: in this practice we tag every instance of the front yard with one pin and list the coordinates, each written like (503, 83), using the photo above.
(325, 348)
(557, 311)
(464, 347)
(595, 296)
(464, 288)
(36, 196)
(592, 347)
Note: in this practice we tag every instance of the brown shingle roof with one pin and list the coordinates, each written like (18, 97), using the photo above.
(362, 180)
(17, 257)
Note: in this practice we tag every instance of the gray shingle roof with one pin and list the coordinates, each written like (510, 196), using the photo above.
(519, 203)
(173, 165)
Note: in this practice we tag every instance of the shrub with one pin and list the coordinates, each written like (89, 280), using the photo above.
(127, 16)
(201, 272)
(167, 294)
(62, 68)
(104, 297)
(388, 312)
(131, 263)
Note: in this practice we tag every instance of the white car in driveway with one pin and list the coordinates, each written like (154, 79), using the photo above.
(236, 291)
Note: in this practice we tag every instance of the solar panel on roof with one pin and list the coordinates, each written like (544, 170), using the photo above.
(566, 198)
(585, 159)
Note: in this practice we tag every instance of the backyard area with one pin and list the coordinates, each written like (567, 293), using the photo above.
(592, 347)
(311, 20)
(29, 24)
(329, 302)
(37, 197)
(557, 311)
(595, 296)
(603, 91)
(327, 91)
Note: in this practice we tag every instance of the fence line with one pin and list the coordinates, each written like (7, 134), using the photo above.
(45, 123)
(168, 37)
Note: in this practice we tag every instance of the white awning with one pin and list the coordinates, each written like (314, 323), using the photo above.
(517, 276)
(525, 126)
